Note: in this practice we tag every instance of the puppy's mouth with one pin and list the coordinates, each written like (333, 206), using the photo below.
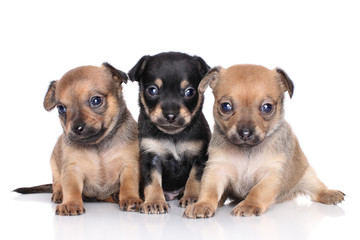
(171, 128)
(235, 139)
(90, 136)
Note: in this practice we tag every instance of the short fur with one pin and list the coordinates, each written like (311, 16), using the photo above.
(173, 132)
(254, 157)
(97, 156)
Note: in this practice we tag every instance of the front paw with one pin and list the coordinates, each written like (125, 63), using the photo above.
(131, 204)
(244, 209)
(71, 208)
(187, 200)
(199, 210)
(56, 197)
(154, 207)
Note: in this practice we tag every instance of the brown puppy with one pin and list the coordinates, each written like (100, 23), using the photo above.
(98, 154)
(254, 157)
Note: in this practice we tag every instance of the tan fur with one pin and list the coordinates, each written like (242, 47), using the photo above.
(192, 190)
(155, 201)
(184, 84)
(109, 164)
(262, 174)
(158, 83)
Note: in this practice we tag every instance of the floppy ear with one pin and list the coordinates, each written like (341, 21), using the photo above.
(286, 81)
(50, 101)
(203, 67)
(117, 74)
(209, 79)
(136, 72)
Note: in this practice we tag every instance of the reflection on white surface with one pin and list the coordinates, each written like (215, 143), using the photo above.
(296, 219)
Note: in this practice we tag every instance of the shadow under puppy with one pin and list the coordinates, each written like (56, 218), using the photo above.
(173, 131)
(98, 154)
(254, 157)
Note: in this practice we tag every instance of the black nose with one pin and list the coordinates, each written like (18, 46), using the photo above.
(170, 117)
(246, 134)
(78, 129)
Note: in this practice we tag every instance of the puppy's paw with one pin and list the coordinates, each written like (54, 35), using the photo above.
(154, 207)
(71, 208)
(199, 210)
(245, 209)
(187, 200)
(131, 204)
(331, 197)
(57, 197)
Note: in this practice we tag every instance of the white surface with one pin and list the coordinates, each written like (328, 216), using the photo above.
(298, 219)
(315, 42)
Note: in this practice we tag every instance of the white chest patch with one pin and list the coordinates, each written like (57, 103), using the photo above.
(164, 147)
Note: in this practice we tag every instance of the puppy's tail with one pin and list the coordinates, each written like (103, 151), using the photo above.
(46, 188)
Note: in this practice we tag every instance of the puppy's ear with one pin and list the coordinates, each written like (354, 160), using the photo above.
(286, 81)
(202, 65)
(117, 74)
(136, 72)
(209, 79)
(50, 101)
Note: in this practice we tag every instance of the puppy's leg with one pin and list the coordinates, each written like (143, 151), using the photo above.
(129, 199)
(260, 197)
(213, 184)
(72, 186)
(154, 196)
(317, 190)
(192, 189)
(57, 195)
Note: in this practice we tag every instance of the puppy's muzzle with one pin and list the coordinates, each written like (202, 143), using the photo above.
(170, 117)
(78, 129)
(246, 134)
(81, 133)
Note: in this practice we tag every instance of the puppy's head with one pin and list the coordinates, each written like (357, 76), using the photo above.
(248, 101)
(89, 100)
(169, 93)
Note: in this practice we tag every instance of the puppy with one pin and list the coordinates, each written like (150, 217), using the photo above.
(254, 157)
(98, 154)
(173, 132)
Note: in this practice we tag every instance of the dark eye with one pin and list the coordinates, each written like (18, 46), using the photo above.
(62, 109)
(189, 92)
(96, 101)
(226, 107)
(152, 91)
(266, 108)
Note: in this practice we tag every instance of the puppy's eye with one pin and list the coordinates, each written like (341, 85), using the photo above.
(189, 92)
(226, 107)
(62, 109)
(95, 101)
(266, 108)
(152, 91)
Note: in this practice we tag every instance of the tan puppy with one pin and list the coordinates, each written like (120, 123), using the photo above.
(98, 154)
(254, 157)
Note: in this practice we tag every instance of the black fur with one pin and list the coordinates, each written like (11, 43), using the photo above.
(172, 68)
(46, 188)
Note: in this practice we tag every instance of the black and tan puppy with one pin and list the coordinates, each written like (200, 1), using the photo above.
(98, 154)
(173, 132)
(254, 157)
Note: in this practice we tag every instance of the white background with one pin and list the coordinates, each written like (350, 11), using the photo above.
(315, 42)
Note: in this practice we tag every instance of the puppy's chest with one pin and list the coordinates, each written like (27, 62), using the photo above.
(170, 150)
(101, 171)
(248, 171)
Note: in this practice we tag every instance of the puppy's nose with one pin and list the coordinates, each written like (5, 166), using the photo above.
(79, 129)
(170, 117)
(246, 134)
